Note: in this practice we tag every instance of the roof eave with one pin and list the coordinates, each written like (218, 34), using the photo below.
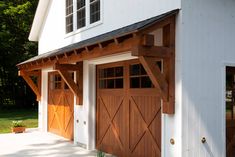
(38, 20)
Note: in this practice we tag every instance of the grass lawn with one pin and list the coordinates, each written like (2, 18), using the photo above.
(29, 118)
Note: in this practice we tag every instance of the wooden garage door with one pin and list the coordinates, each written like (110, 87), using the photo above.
(60, 107)
(128, 111)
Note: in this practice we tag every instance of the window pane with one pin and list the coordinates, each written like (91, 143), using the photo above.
(119, 83)
(111, 77)
(81, 3)
(55, 81)
(69, 10)
(110, 72)
(101, 73)
(81, 18)
(102, 83)
(146, 82)
(69, 2)
(134, 69)
(94, 11)
(159, 64)
(69, 20)
(57, 78)
(69, 7)
(69, 23)
(135, 82)
(143, 72)
(57, 85)
(110, 83)
(118, 71)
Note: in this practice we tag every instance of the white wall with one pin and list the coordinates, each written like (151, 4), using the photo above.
(116, 14)
(204, 45)
(42, 112)
(207, 44)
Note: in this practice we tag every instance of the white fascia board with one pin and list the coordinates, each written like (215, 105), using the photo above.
(38, 19)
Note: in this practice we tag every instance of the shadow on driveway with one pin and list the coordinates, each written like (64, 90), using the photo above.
(39, 144)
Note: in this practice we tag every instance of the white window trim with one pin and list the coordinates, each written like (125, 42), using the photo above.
(88, 25)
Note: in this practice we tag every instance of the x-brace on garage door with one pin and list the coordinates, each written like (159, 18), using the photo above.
(128, 111)
(60, 106)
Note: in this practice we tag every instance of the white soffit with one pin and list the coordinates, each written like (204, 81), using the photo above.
(38, 19)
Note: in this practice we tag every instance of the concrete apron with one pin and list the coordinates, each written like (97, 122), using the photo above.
(39, 144)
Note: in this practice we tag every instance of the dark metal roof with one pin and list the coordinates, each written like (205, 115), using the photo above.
(104, 37)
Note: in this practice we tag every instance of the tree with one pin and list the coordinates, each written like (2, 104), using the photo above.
(16, 17)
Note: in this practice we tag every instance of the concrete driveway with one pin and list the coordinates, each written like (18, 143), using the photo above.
(38, 144)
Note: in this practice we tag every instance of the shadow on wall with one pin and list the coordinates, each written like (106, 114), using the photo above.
(208, 149)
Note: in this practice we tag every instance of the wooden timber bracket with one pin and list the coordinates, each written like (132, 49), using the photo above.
(36, 87)
(148, 53)
(76, 88)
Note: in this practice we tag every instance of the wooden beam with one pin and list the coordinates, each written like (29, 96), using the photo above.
(34, 73)
(75, 51)
(38, 75)
(87, 49)
(31, 84)
(63, 71)
(100, 45)
(155, 75)
(66, 67)
(148, 40)
(116, 41)
(169, 66)
(110, 49)
(65, 54)
(70, 82)
(39, 81)
(166, 35)
(153, 51)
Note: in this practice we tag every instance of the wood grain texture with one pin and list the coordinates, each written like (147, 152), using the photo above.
(128, 119)
(36, 88)
(60, 111)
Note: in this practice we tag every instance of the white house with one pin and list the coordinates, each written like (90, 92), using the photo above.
(136, 78)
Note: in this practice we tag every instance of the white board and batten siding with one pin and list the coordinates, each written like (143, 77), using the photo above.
(114, 15)
(207, 38)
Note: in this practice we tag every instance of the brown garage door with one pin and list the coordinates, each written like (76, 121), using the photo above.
(60, 107)
(128, 111)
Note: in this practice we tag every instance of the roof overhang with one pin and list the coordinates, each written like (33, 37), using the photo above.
(135, 38)
(38, 20)
(128, 36)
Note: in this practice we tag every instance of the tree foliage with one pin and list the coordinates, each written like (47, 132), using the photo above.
(16, 17)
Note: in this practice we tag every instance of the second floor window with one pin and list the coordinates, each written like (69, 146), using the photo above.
(81, 14)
